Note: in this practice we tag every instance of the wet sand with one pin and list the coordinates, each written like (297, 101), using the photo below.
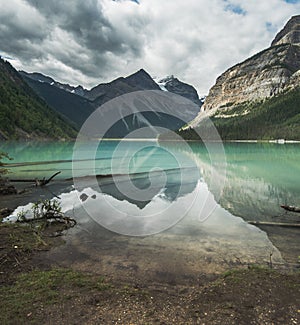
(184, 254)
(163, 258)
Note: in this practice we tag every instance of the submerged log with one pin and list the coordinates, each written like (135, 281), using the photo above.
(278, 224)
(37, 182)
(290, 208)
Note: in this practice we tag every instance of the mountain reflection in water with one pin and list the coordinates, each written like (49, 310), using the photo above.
(259, 177)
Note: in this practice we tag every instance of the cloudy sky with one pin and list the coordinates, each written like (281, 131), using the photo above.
(91, 41)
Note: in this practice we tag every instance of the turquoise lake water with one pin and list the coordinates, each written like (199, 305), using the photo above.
(201, 195)
(256, 178)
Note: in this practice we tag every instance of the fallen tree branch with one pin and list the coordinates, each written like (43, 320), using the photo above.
(38, 182)
(46, 213)
(49, 217)
(45, 182)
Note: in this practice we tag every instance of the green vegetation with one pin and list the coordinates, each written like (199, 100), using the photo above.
(26, 292)
(67, 296)
(238, 274)
(37, 290)
(21, 239)
(46, 213)
(43, 209)
(23, 113)
(275, 118)
(18, 243)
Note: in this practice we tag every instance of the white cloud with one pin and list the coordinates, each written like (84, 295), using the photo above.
(98, 40)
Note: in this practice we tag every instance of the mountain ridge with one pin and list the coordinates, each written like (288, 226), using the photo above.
(24, 115)
(37, 76)
(290, 32)
(174, 85)
(78, 107)
(244, 87)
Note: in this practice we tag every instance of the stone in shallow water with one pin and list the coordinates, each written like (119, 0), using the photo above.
(83, 197)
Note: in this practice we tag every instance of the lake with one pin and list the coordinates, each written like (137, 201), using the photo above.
(171, 203)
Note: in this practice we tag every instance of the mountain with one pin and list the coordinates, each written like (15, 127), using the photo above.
(178, 87)
(79, 90)
(259, 98)
(142, 81)
(138, 81)
(23, 114)
(77, 106)
(290, 34)
(102, 93)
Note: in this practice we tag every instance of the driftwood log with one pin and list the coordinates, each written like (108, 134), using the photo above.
(278, 224)
(37, 182)
(290, 208)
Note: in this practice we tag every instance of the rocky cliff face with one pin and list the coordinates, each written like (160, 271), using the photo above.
(264, 75)
(289, 34)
